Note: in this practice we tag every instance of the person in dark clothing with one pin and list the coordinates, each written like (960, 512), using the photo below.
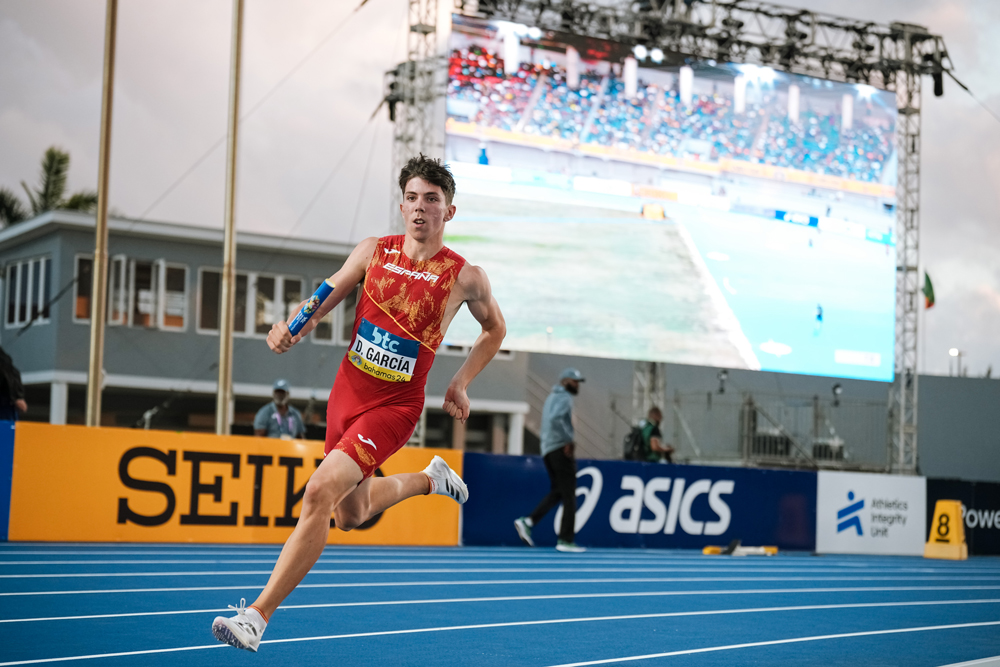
(652, 439)
(11, 390)
(557, 452)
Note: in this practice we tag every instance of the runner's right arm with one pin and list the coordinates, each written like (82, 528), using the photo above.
(280, 339)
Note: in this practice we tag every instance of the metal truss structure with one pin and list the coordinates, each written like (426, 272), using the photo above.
(411, 92)
(893, 57)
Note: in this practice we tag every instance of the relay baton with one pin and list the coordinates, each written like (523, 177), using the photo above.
(311, 306)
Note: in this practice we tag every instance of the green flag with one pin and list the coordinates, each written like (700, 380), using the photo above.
(928, 291)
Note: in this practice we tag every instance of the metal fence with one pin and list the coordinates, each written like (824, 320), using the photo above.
(740, 429)
(778, 430)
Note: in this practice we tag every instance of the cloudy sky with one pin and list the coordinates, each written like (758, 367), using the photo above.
(313, 164)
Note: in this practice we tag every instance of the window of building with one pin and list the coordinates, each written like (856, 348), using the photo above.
(144, 294)
(84, 285)
(256, 297)
(141, 293)
(28, 291)
(240, 309)
(323, 333)
(291, 292)
(346, 314)
(117, 290)
(173, 296)
(209, 299)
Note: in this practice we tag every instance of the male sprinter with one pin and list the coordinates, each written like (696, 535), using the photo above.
(412, 288)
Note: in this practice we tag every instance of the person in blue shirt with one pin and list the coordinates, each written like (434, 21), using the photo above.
(278, 419)
(557, 452)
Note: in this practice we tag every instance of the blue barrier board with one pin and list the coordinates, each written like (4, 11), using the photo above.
(629, 504)
(6, 473)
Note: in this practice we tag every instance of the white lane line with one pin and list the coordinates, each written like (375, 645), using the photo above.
(775, 642)
(521, 598)
(668, 565)
(326, 560)
(434, 570)
(982, 662)
(482, 582)
(477, 553)
(587, 619)
(120, 654)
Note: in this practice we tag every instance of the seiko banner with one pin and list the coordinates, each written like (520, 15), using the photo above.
(116, 484)
(628, 504)
(861, 513)
(980, 511)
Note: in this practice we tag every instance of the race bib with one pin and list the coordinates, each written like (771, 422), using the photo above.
(382, 354)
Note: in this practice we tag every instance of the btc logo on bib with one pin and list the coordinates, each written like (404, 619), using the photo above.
(382, 354)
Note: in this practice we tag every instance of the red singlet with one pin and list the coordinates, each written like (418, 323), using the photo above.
(378, 395)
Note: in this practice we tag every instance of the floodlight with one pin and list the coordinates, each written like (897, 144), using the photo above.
(640, 52)
(837, 391)
(656, 55)
(953, 351)
(534, 32)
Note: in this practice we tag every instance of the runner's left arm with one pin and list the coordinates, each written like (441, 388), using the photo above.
(479, 299)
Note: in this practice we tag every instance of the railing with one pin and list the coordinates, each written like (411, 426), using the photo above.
(740, 429)
(778, 430)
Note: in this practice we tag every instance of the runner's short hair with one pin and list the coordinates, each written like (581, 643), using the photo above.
(431, 170)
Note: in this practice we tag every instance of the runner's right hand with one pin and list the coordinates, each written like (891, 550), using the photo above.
(280, 339)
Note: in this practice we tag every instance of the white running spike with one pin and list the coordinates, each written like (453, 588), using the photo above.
(444, 481)
(239, 631)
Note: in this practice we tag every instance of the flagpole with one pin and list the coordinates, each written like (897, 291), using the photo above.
(224, 397)
(99, 286)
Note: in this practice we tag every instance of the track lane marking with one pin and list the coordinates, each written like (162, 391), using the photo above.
(519, 598)
(742, 565)
(477, 582)
(776, 642)
(561, 621)
(993, 661)
(429, 570)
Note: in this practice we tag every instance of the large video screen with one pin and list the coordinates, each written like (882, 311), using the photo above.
(629, 204)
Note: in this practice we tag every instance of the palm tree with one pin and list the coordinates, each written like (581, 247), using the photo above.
(48, 195)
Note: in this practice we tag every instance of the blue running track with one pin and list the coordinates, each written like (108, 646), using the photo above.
(151, 604)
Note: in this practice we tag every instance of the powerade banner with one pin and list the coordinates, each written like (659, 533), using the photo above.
(628, 504)
(863, 513)
(980, 511)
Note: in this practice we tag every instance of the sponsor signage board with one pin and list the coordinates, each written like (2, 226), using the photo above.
(72, 483)
(980, 511)
(629, 504)
(862, 513)
(6, 463)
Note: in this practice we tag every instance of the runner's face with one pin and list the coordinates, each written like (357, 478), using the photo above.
(424, 210)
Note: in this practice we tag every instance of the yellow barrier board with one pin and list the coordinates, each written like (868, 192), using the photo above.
(73, 483)
(947, 538)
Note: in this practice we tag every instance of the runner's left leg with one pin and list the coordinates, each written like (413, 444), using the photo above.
(376, 495)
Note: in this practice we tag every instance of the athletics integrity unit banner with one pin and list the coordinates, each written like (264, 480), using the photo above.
(629, 504)
(863, 513)
(72, 483)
